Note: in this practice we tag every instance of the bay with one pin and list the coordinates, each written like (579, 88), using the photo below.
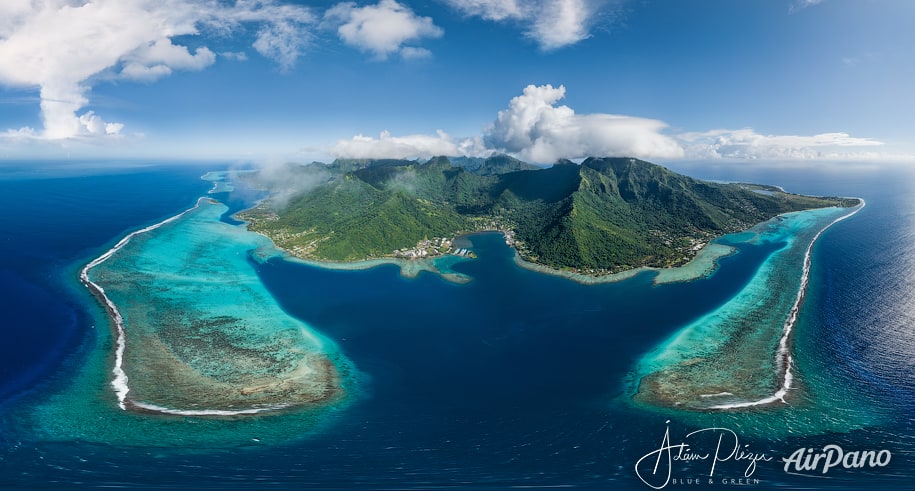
(514, 379)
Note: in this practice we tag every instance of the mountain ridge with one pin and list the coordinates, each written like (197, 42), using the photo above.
(602, 216)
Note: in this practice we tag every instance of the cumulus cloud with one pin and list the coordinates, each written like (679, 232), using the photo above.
(95, 125)
(536, 129)
(533, 128)
(553, 24)
(63, 47)
(404, 147)
(747, 144)
(382, 29)
(159, 58)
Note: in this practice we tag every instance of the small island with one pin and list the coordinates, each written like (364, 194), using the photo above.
(597, 219)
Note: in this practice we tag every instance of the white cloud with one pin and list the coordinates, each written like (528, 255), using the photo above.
(403, 147)
(411, 53)
(282, 42)
(25, 133)
(490, 9)
(381, 29)
(747, 144)
(553, 24)
(63, 47)
(234, 55)
(283, 32)
(536, 129)
(562, 23)
(161, 57)
(802, 4)
(97, 126)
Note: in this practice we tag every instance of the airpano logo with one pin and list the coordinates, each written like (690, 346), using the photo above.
(718, 457)
(808, 461)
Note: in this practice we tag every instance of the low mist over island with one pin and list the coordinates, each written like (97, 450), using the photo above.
(602, 216)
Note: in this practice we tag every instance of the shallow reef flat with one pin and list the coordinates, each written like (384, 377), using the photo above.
(220, 181)
(409, 268)
(197, 332)
(739, 356)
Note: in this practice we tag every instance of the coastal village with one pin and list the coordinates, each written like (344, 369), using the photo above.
(436, 246)
(427, 248)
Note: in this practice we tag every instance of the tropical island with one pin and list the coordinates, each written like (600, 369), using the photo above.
(207, 339)
(597, 218)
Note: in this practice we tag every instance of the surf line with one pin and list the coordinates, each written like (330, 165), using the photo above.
(119, 384)
(783, 358)
(142, 406)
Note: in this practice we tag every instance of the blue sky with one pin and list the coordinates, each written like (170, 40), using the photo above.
(276, 80)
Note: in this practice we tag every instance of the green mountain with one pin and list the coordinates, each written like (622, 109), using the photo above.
(497, 164)
(603, 215)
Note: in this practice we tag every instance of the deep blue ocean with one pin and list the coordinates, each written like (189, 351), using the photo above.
(514, 380)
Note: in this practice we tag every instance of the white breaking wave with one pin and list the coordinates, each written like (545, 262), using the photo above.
(720, 394)
(783, 359)
(206, 412)
(119, 384)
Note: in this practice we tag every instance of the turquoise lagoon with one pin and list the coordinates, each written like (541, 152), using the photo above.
(195, 334)
(509, 378)
(740, 355)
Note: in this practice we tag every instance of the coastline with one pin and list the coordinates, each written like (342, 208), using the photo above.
(579, 277)
(315, 379)
(783, 358)
(409, 268)
(119, 384)
(701, 265)
(703, 262)
(710, 359)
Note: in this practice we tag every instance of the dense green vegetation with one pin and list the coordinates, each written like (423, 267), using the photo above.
(603, 215)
